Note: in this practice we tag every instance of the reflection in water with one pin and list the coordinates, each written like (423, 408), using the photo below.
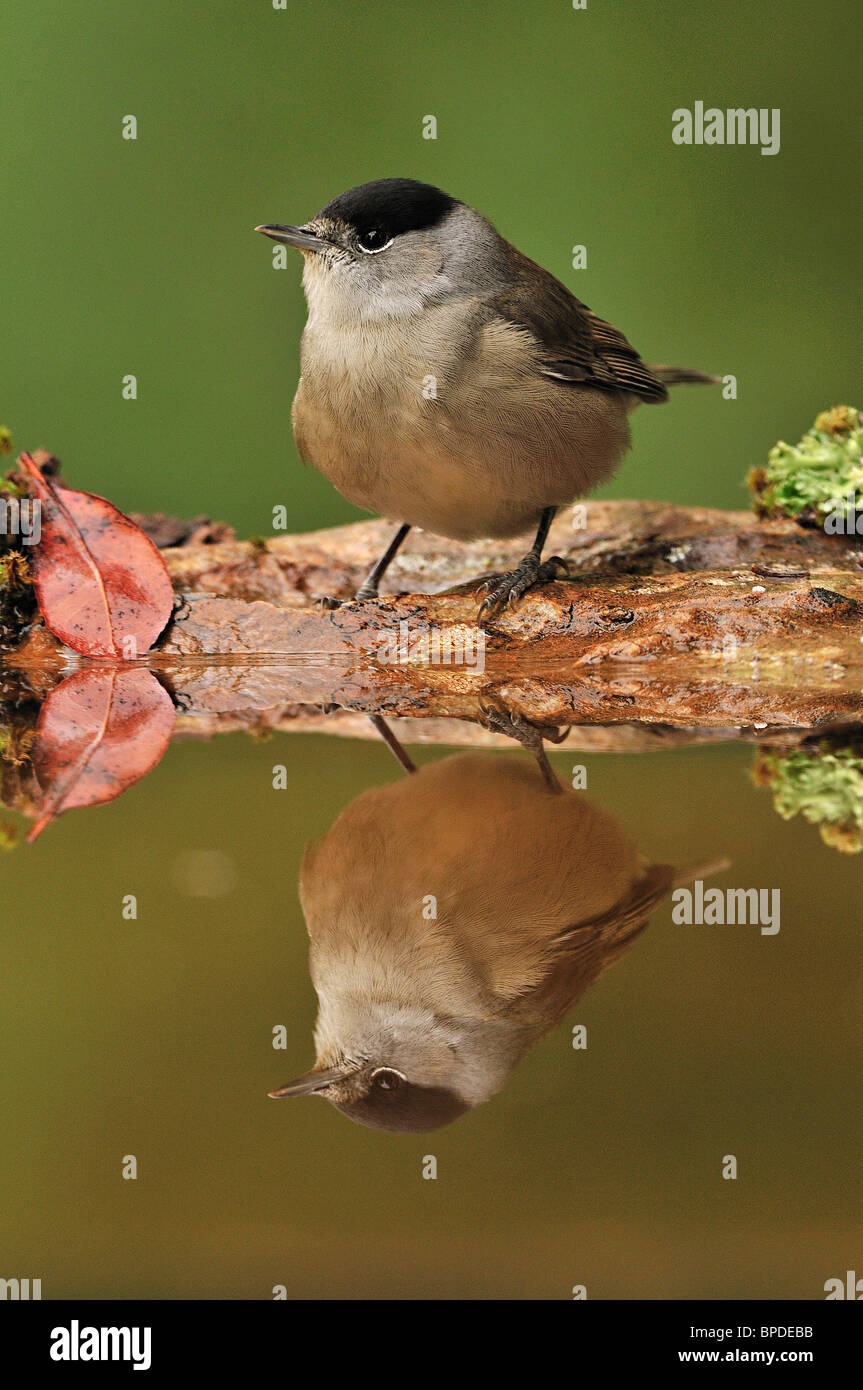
(823, 782)
(454, 918)
(100, 731)
(102, 728)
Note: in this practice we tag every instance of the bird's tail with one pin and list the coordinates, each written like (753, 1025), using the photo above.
(682, 877)
(622, 923)
(656, 883)
(679, 376)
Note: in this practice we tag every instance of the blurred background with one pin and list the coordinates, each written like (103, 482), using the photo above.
(600, 1167)
(153, 1037)
(139, 257)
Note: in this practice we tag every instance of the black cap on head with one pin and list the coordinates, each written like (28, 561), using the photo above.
(407, 1109)
(392, 206)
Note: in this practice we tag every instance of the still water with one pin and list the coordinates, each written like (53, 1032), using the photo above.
(587, 1089)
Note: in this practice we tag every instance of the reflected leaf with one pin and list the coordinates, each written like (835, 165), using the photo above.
(99, 731)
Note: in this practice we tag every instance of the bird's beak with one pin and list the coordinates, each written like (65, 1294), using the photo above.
(301, 237)
(310, 1083)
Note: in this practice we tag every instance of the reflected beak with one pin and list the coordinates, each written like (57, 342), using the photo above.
(301, 237)
(309, 1084)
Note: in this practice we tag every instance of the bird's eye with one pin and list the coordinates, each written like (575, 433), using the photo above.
(385, 1079)
(373, 240)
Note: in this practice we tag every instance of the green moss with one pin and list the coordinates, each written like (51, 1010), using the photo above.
(13, 484)
(821, 474)
(824, 785)
(14, 571)
(9, 835)
(15, 744)
(17, 596)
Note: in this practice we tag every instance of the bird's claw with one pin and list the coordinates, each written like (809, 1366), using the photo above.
(510, 587)
(363, 592)
(530, 735)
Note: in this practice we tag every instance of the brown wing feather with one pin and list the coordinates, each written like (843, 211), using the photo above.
(628, 368)
(575, 344)
(584, 951)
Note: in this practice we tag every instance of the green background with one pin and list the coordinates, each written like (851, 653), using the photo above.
(138, 257)
(154, 1037)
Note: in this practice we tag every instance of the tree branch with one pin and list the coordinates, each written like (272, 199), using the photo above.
(671, 618)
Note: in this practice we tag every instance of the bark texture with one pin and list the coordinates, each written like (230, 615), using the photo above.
(669, 619)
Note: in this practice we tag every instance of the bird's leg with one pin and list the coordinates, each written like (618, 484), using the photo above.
(389, 738)
(508, 588)
(369, 586)
(382, 727)
(503, 721)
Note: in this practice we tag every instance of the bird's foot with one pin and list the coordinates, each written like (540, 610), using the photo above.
(506, 589)
(363, 592)
(529, 734)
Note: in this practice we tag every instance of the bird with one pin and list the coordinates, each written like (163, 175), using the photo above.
(451, 383)
(454, 918)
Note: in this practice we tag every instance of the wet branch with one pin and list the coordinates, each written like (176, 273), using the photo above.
(670, 618)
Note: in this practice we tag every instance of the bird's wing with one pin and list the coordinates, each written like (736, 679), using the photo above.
(615, 930)
(574, 344)
(584, 951)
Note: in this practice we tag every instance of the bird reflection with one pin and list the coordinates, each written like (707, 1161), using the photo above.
(455, 917)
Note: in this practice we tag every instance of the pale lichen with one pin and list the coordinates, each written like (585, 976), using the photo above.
(824, 784)
(823, 474)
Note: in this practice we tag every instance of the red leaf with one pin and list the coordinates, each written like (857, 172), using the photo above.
(99, 731)
(98, 578)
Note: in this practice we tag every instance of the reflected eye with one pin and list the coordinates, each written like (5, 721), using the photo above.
(384, 1079)
(373, 240)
